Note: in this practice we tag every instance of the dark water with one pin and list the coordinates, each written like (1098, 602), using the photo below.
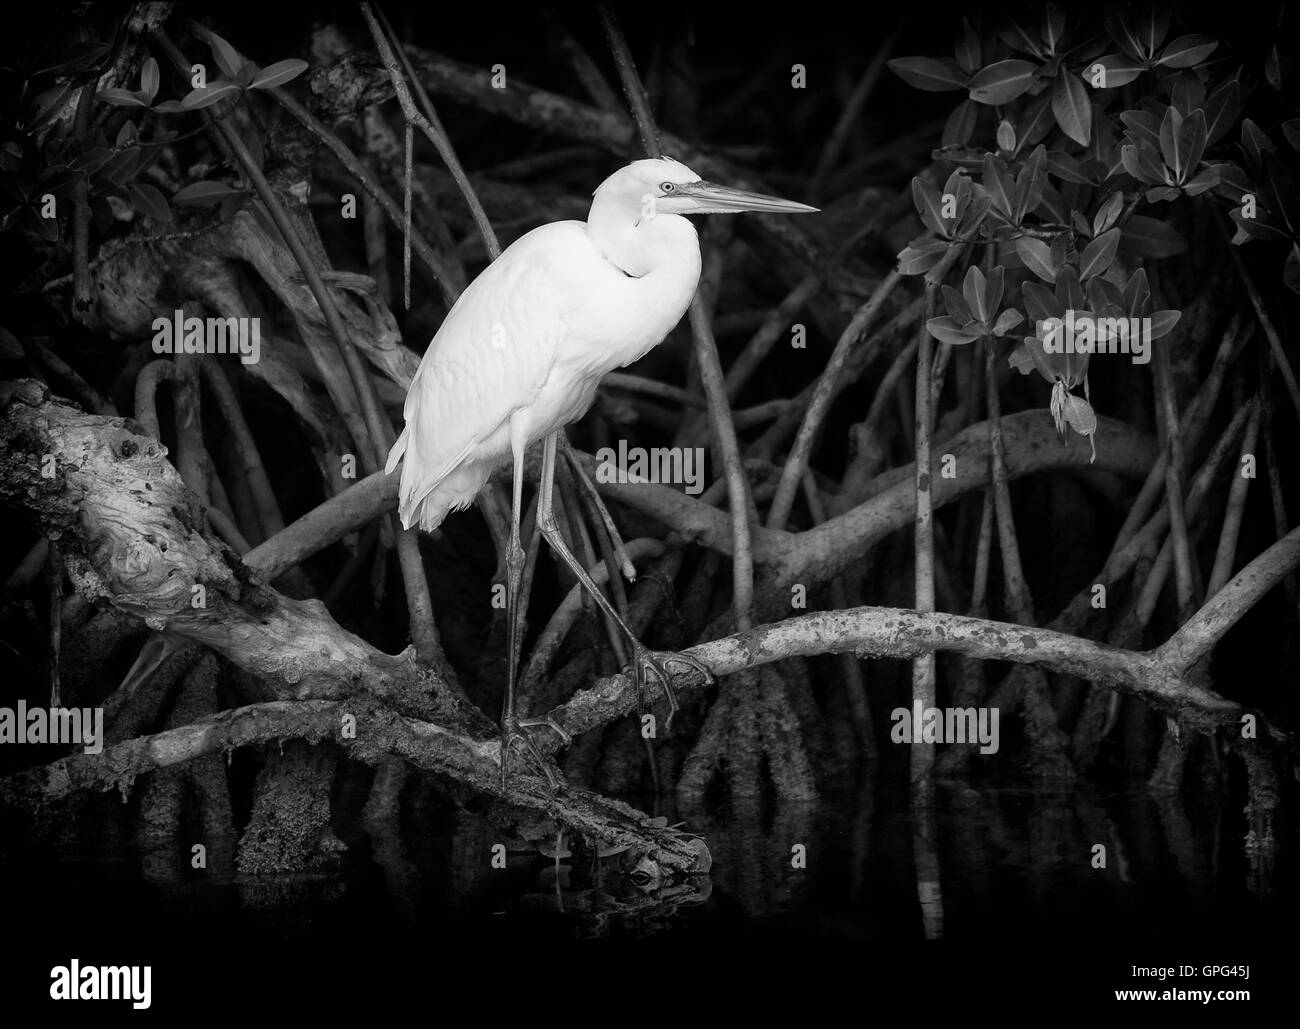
(1007, 876)
(1011, 864)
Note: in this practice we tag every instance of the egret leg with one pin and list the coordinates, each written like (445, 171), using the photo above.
(646, 663)
(514, 729)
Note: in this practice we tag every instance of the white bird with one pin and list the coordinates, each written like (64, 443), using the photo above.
(523, 349)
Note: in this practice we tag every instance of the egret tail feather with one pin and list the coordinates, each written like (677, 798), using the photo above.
(454, 492)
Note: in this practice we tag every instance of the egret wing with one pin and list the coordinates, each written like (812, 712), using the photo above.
(494, 351)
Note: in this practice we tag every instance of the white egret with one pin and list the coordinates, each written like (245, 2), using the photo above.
(522, 351)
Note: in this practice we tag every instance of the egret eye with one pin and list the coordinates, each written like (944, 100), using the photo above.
(667, 187)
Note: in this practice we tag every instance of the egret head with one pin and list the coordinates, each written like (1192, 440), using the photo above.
(664, 186)
(634, 221)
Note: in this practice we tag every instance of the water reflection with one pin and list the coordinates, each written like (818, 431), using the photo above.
(978, 863)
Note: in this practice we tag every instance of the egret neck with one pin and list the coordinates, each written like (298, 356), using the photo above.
(659, 256)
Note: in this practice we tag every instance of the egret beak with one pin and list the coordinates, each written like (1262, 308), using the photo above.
(710, 198)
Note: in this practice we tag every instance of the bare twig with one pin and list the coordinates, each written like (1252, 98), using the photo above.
(82, 285)
(1226, 554)
(923, 666)
(442, 275)
(428, 122)
(1219, 614)
(795, 464)
(761, 343)
(241, 436)
(856, 689)
(54, 567)
(1167, 418)
(651, 388)
(146, 386)
(850, 117)
(724, 432)
(27, 569)
(594, 499)
(1191, 505)
(584, 67)
(1190, 428)
(1270, 330)
(632, 87)
(1019, 600)
(77, 386)
(224, 527)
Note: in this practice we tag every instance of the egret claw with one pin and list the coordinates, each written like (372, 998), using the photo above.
(550, 723)
(690, 662)
(517, 730)
(647, 663)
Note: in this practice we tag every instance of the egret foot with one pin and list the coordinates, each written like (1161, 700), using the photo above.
(518, 730)
(648, 664)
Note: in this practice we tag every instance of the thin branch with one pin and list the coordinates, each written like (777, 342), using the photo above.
(1190, 428)
(923, 666)
(408, 173)
(594, 500)
(27, 569)
(651, 388)
(146, 388)
(761, 343)
(1277, 496)
(441, 274)
(779, 513)
(538, 108)
(632, 87)
(77, 387)
(82, 284)
(855, 688)
(1167, 418)
(229, 532)
(54, 568)
(1270, 330)
(1196, 495)
(1018, 597)
(1204, 629)
(428, 123)
(584, 67)
(241, 437)
(769, 443)
(850, 119)
(724, 431)
(889, 382)
(1226, 554)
